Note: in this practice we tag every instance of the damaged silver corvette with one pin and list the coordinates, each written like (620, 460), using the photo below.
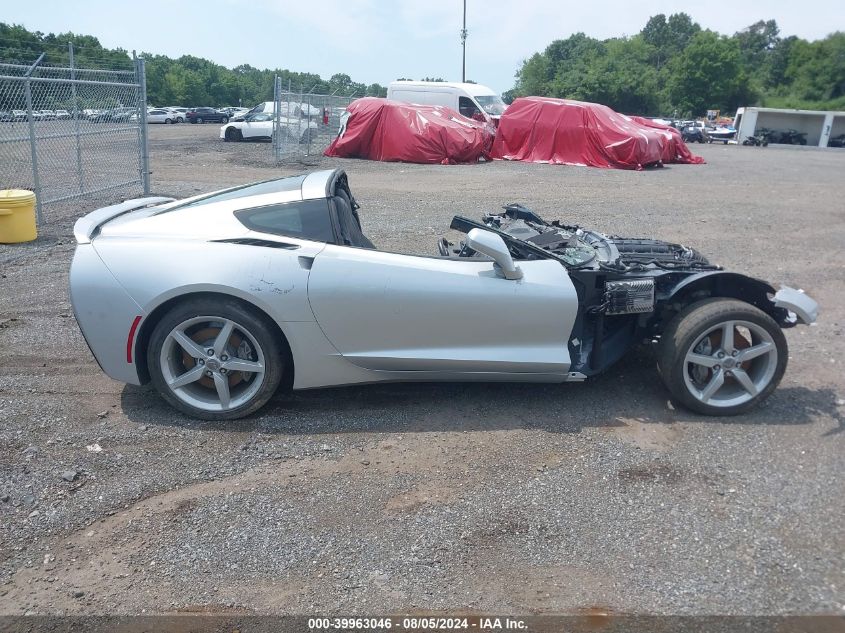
(220, 299)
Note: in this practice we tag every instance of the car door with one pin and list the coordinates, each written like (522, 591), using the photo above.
(258, 126)
(394, 312)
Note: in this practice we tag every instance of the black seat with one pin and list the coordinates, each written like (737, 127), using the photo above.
(350, 224)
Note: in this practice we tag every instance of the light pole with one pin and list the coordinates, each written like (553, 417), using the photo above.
(464, 45)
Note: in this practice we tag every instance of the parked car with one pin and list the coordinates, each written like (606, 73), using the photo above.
(6, 117)
(63, 114)
(473, 101)
(19, 115)
(260, 126)
(113, 115)
(234, 111)
(219, 299)
(290, 109)
(160, 116)
(48, 115)
(181, 114)
(206, 115)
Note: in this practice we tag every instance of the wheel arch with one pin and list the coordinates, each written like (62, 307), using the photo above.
(729, 285)
(157, 313)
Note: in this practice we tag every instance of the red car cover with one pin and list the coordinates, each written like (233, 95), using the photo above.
(378, 129)
(674, 149)
(565, 132)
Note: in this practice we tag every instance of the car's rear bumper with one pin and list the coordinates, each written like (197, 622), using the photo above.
(107, 315)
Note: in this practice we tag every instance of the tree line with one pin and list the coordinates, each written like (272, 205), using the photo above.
(674, 67)
(671, 67)
(186, 81)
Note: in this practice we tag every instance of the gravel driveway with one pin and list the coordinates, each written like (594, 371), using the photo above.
(440, 497)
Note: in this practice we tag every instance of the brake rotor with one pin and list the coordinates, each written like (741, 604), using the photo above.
(205, 337)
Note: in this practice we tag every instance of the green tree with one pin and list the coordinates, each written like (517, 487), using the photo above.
(376, 90)
(708, 74)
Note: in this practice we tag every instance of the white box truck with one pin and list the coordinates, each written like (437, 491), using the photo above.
(474, 101)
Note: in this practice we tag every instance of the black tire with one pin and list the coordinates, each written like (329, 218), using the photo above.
(180, 119)
(689, 325)
(166, 121)
(276, 355)
(198, 119)
(233, 134)
(224, 120)
(764, 144)
(802, 141)
(193, 121)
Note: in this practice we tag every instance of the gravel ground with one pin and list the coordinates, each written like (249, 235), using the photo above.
(507, 498)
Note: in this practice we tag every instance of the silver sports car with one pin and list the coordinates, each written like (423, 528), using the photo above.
(221, 298)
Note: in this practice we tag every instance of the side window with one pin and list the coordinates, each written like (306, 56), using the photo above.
(467, 107)
(308, 220)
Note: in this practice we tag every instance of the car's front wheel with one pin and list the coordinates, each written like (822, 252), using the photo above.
(215, 359)
(722, 356)
(224, 120)
(198, 119)
(233, 134)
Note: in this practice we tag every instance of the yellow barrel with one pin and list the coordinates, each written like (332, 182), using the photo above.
(17, 216)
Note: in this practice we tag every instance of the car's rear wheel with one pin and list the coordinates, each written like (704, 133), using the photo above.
(224, 120)
(168, 121)
(722, 356)
(233, 134)
(199, 119)
(180, 119)
(215, 359)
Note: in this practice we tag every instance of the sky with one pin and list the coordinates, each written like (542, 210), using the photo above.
(377, 41)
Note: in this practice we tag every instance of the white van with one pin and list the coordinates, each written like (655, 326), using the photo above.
(472, 100)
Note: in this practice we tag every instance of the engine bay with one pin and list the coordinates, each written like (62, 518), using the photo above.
(530, 237)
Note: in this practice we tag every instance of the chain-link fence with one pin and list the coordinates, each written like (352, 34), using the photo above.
(66, 132)
(305, 123)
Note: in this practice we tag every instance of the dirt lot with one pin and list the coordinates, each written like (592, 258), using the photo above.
(507, 498)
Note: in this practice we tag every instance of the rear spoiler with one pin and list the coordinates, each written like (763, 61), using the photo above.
(87, 225)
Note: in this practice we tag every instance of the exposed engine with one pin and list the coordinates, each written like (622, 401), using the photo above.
(580, 248)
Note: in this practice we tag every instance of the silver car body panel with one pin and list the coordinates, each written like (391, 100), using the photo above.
(105, 313)
(394, 312)
(318, 184)
(86, 226)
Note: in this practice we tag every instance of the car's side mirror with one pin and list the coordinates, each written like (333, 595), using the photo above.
(490, 244)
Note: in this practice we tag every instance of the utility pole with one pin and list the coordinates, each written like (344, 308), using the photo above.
(464, 45)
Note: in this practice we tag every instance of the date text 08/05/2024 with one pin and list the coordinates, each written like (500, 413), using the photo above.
(417, 623)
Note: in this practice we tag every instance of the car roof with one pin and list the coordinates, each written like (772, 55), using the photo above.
(476, 90)
(211, 215)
